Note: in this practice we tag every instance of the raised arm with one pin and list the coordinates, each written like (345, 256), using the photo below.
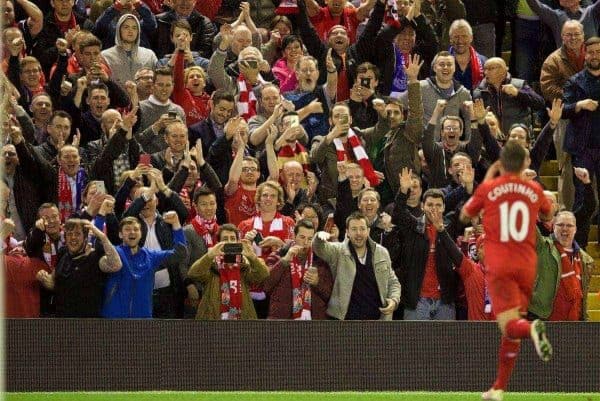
(35, 22)
(235, 171)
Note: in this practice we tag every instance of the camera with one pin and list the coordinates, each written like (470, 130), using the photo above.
(231, 251)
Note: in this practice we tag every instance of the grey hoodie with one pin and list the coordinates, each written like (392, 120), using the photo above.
(124, 64)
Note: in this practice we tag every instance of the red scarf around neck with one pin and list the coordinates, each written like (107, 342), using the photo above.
(570, 282)
(359, 153)
(247, 101)
(66, 25)
(230, 279)
(301, 294)
(207, 229)
(65, 196)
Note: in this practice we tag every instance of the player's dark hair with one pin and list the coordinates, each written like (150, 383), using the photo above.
(513, 157)
(306, 223)
(433, 193)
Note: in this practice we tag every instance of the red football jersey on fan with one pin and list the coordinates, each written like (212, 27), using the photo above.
(510, 209)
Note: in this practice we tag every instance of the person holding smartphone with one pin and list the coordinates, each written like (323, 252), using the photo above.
(226, 283)
(362, 94)
(299, 283)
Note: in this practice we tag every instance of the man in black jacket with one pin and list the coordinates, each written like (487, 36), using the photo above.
(169, 291)
(427, 256)
(57, 23)
(80, 275)
(204, 30)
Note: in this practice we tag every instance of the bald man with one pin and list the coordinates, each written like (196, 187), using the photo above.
(294, 187)
(115, 152)
(511, 99)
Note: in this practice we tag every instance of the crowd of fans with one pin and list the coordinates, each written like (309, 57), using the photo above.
(221, 159)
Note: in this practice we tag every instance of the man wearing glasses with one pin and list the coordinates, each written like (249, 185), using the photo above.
(563, 274)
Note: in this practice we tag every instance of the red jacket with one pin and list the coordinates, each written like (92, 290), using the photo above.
(279, 288)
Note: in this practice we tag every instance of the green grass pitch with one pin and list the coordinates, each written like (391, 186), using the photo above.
(290, 396)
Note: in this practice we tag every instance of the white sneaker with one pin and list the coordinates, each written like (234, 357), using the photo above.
(493, 395)
(542, 345)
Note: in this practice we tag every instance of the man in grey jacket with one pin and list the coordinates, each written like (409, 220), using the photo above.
(365, 286)
(126, 57)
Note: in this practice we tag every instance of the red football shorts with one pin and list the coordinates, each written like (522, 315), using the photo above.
(510, 288)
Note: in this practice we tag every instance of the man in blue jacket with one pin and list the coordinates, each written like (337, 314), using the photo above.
(129, 291)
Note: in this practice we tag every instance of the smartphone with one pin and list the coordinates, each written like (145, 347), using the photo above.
(329, 223)
(365, 82)
(173, 115)
(294, 121)
(231, 252)
(100, 187)
(145, 159)
(252, 64)
(258, 239)
(233, 248)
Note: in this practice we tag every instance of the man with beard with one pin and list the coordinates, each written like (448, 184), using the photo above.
(469, 63)
(360, 292)
(581, 95)
(221, 106)
(80, 274)
(299, 286)
(58, 128)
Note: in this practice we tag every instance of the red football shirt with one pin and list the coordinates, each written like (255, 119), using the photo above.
(240, 205)
(510, 209)
(324, 21)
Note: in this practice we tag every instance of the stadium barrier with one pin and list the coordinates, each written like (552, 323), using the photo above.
(136, 355)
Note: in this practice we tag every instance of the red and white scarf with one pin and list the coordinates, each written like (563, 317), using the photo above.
(230, 279)
(301, 294)
(65, 196)
(359, 154)
(246, 105)
(297, 152)
(207, 229)
(257, 224)
(49, 250)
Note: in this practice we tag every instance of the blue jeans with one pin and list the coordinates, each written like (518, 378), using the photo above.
(526, 59)
(431, 309)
